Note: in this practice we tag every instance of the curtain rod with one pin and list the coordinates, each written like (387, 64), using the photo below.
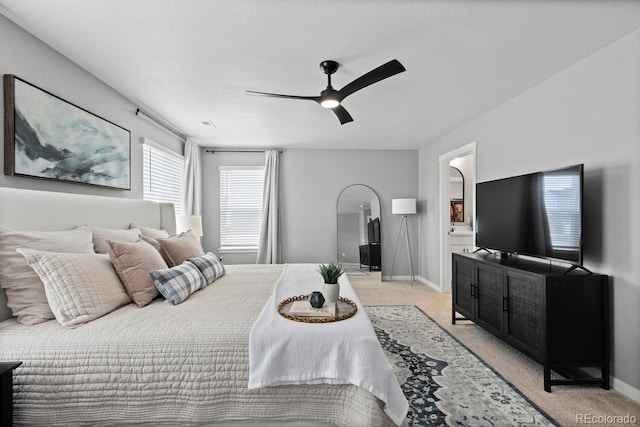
(222, 150)
(161, 123)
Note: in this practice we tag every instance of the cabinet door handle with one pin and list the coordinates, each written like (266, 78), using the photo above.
(505, 304)
(474, 291)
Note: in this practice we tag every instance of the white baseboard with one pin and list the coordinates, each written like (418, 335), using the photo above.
(624, 388)
(616, 384)
(420, 279)
(430, 284)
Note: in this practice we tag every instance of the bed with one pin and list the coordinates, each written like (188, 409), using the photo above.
(160, 364)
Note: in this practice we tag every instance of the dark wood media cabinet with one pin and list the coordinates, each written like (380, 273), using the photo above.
(370, 256)
(560, 320)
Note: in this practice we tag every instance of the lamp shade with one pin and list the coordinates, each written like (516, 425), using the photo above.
(403, 206)
(189, 222)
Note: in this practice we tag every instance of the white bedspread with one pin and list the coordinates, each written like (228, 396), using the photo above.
(168, 365)
(283, 351)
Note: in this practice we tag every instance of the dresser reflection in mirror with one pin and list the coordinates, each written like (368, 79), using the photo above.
(359, 230)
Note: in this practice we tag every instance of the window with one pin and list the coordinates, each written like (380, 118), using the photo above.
(163, 175)
(562, 204)
(240, 207)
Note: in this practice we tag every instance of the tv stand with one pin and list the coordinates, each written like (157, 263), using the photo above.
(575, 267)
(371, 257)
(559, 318)
(482, 249)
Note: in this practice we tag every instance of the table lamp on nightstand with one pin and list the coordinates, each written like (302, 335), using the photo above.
(189, 222)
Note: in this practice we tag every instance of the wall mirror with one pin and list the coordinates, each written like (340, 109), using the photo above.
(456, 194)
(359, 230)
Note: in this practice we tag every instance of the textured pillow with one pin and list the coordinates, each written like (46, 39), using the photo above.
(176, 249)
(209, 265)
(153, 242)
(177, 283)
(133, 262)
(101, 235)
(25, 292)
(154, 233)
(79, 287)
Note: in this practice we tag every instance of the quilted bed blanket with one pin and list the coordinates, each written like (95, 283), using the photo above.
(163, 364)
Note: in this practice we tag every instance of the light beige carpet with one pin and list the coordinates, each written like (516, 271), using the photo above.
(568, 405)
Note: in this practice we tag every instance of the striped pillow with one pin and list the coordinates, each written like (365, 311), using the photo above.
(210, 266)
(177, 283)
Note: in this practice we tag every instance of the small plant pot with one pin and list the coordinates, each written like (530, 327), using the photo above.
(331, 292)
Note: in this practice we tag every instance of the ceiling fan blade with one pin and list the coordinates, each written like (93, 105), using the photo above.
(277, 95)
(384, 71)
(343, 115)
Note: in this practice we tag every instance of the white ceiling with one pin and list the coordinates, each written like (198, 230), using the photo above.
(191, 61)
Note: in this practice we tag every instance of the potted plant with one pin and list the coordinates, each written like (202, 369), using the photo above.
(331, 272)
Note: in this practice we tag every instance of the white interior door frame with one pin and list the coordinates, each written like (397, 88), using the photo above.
(444, 159)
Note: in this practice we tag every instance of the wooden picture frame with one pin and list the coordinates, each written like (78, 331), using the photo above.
(50, 138)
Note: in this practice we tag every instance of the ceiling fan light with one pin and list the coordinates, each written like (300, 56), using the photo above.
(329, 103)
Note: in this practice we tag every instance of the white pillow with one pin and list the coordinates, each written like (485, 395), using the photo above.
(79, 287)
(25, 291)
(101, 235)
(154, 233)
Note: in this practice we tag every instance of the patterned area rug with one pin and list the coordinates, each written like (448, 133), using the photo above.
(444, 382)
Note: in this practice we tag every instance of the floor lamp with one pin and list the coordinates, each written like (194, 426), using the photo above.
(403, 207)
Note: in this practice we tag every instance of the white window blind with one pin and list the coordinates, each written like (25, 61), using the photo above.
(163, 176)
(562, 204)
(241, 189)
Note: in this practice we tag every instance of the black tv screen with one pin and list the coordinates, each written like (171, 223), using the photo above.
(538, 214)
(373, 228)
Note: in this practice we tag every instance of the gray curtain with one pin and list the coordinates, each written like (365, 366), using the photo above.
(269, 251)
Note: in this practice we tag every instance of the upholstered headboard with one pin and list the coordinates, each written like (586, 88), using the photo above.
(50, 211)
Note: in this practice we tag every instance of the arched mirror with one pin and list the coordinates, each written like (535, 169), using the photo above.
(456, 194)
(359, 230)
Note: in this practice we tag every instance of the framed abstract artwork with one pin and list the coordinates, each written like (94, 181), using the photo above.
(457, 210)
(48, 137)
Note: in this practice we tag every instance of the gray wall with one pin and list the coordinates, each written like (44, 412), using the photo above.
(588, 113)
(31, 60)
(349, 242)
(310, 182)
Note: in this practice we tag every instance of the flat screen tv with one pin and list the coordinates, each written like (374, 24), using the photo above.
(537, 214)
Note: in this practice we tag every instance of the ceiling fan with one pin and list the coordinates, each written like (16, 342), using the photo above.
(331, 98)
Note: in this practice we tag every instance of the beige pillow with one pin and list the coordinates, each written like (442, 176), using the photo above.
(25, 292)
(101, 235)
(177, 249)
(154, 233)
(153, 242)
(79, 287)
(133, 262)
